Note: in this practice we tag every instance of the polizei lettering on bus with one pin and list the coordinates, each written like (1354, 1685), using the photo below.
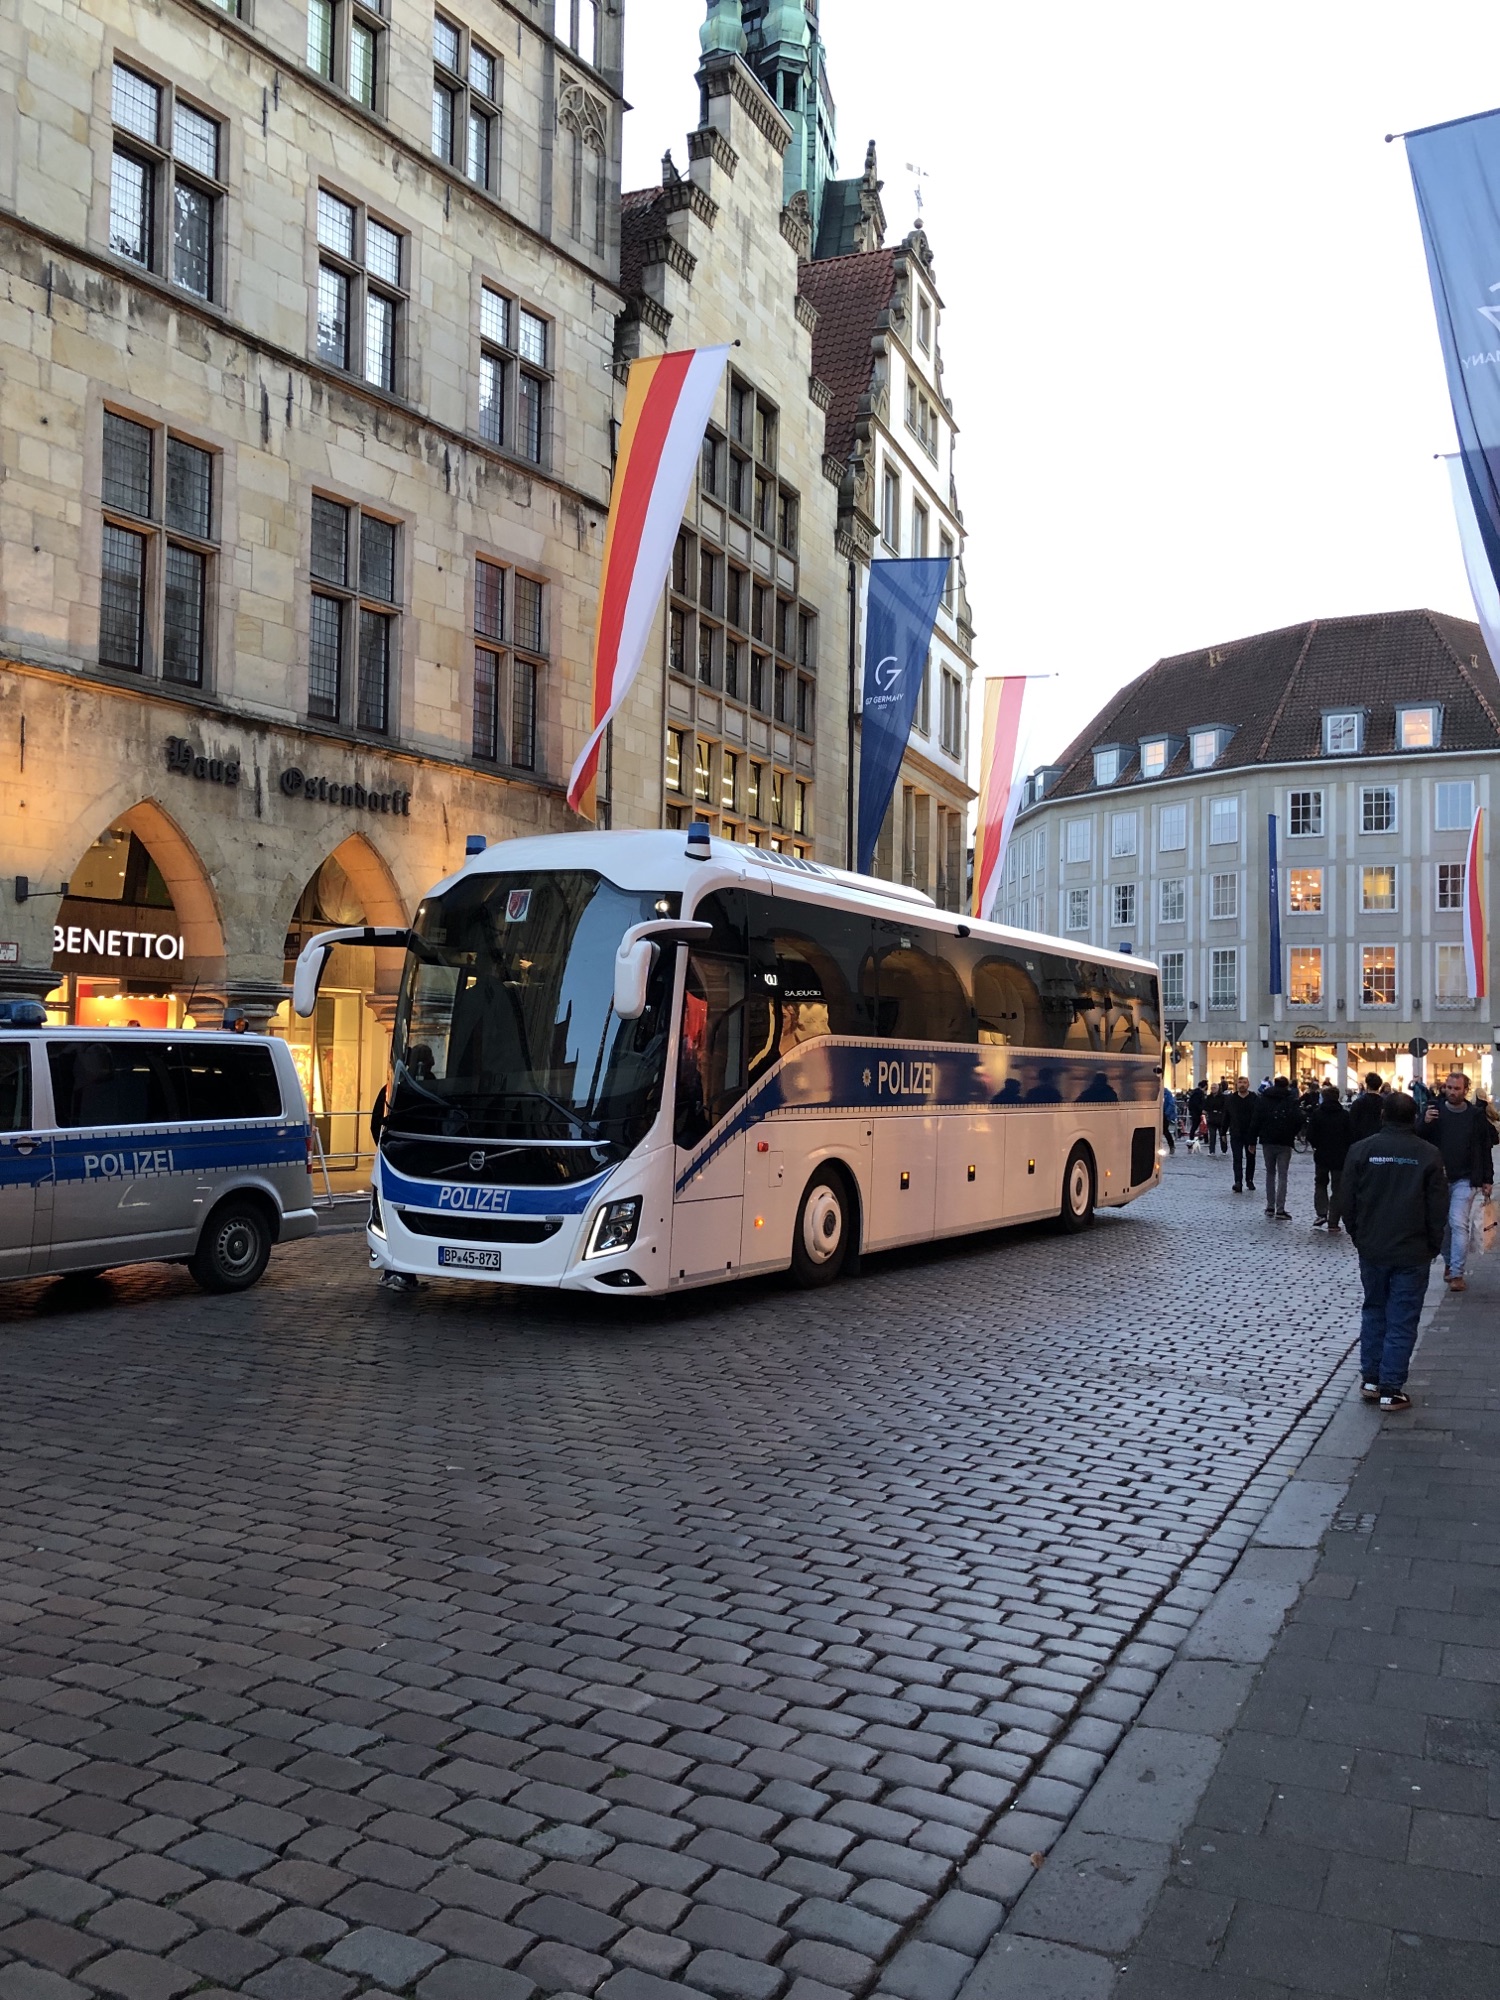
(474, 1197)
(905, 1079)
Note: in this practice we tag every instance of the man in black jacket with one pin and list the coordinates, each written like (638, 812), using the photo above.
(1364, 1112)
(1460, 1132)
(1394, 1201)
(1276, 1127)
(1329, 1136)
(1241, 1111)
(1197, 1098)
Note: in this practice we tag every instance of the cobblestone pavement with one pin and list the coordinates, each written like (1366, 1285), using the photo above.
(487, 1645)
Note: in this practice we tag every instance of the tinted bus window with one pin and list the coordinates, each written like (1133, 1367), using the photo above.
(712, 1058)
(15, 1087)
(826, 955)
(1007, 999)
(217, 1081)
(918, 988)
(111, 1083)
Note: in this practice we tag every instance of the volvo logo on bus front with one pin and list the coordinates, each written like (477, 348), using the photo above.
(476, 1161)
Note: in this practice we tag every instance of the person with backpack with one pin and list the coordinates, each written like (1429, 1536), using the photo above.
(1330, 1134)
(1277, 1126)
(1393, 1197)
(1241, 1116)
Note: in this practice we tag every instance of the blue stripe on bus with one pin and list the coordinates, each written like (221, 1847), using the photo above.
(835, 1075)
(483, 1198)
(142, 1155)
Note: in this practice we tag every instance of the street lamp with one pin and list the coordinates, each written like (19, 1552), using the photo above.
(1265, 1035)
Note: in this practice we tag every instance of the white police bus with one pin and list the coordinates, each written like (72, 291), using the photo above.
(620, 1063)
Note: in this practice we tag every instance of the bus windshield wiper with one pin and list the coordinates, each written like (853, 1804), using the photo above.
(587, 1127)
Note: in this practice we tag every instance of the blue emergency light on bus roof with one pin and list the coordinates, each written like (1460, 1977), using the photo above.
(698, 841)
(22, 1014)
(474, 843)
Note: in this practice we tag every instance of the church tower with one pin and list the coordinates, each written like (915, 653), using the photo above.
(786, 52)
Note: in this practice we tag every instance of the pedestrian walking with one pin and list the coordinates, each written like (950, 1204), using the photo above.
(1276, 1128)
(1216, 1112)
(1169, 1118)
(1330, 1134)
(1197, 1098)
(1364, 1112)
(1461, 1133)
(1241, 1114)
(1394, 1200)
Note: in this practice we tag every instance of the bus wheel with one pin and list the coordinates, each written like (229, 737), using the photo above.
(1077, 1210)
(234, 1248)
(820, 1242)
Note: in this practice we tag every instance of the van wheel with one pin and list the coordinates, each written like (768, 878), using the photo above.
(234, 1248)
(825, 1221)
(1077, 1211)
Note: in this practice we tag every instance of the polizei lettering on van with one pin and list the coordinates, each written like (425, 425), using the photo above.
(491, 1198)
(905, 1079)
(108, 1166)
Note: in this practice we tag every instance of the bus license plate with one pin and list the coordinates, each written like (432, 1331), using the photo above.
(469, 1260)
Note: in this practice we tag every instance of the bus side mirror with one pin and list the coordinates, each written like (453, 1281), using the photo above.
(637, 955)
(309, 975)
(633, 963)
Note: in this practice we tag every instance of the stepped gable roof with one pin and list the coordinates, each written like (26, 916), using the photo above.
(639, 224)
(1272, 690)
(850, 294)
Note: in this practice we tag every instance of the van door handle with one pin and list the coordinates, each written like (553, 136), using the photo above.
(26, 1147)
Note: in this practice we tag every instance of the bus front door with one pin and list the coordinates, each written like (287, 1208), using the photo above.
(709, 1180)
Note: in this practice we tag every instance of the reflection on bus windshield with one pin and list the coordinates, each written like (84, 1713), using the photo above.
(505, 1027)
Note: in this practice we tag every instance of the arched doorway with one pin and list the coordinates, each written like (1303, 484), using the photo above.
(342, 1052)
(138, 940)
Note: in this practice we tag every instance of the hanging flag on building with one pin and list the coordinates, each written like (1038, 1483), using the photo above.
(668, 402)
(1455, 170)
(899, 616)
(1482, 585)
(1476, 920)
(1273, 874)
(999, 795)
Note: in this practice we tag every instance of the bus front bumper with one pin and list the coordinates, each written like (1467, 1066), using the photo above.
(557, 1264)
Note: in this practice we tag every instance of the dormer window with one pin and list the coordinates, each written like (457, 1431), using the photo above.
(1343, 732)
(1153, 756)
(1107, 765)
(1419, 728)
(1206, 747)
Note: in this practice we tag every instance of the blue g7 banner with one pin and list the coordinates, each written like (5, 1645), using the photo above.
(899, 617)
(1455, 169)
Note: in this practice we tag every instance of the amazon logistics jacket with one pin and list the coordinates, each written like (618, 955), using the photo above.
(1394, 1197)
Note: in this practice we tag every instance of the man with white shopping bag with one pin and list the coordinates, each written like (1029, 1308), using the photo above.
(1458, 1129)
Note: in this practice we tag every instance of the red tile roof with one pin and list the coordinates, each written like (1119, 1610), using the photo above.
(1272, 690)
(850, 293)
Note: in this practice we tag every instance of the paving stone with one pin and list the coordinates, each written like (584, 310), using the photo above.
(131, 1975)
(388, 1956)
(224, 1956)
(962, 1922)
(469, 1935)
(232, 1906)
(720, 1973)
(298, 1930)
(35, 1982)
(299, 1979)
(142, 1926)
(468, 1979)
(59, 1947)
(563, 1968)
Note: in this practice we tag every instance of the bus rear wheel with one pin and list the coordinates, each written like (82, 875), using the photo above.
(1077, 1210)
(825, 1219)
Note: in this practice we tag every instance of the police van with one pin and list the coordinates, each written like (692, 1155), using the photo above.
(129, 1146)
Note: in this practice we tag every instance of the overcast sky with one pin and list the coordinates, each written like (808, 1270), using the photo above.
(1187, 329)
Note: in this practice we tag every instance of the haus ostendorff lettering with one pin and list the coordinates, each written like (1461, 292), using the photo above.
(190, 763)
(297, 784)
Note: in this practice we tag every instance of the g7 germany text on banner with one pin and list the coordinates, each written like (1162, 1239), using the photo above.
(1455, 170)
(668, 401)
(899, 617)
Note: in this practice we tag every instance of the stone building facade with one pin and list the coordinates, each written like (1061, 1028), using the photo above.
(309, 318)
(1372, 740)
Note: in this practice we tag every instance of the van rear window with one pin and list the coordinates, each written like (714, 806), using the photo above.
(161, 1083)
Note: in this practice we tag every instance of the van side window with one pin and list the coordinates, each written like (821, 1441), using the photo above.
(15, 1087)
(110, 1083)
(217, 1081)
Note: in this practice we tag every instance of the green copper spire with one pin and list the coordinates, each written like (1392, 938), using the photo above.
(785, 31)
(723, 33)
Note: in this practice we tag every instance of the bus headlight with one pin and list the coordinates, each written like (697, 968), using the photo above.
(614, 1227)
